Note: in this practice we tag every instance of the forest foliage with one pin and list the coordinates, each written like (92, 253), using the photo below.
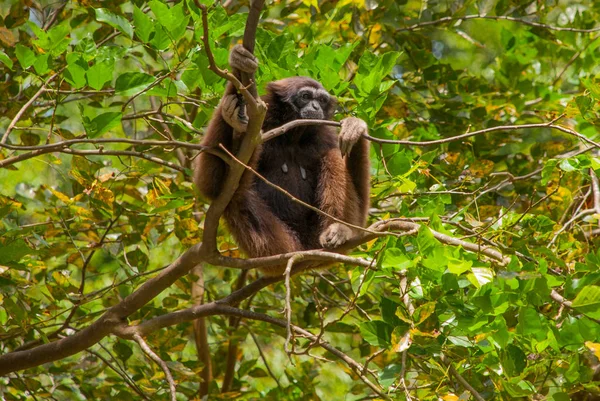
(484, 121)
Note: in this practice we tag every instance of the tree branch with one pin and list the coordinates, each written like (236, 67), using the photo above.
(152, 355)
(444, 20)
(107, 323)
(485, 131)
(24, 108)
(461, 379)
(216, 308)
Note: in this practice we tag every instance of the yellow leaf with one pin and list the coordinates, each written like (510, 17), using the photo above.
(481, 168)
(186, 207)
(106, 177)
(450, 397)
(420, 333)
(401, 343)
(313, 3)
(105, 195)
(59, 278)
(81, 211)
(58, 194)
(423, 312)
(594, 347)
(162, 186)
(7, 37)
(188, 224)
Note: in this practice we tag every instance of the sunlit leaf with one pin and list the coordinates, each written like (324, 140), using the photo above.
(116, 21)
(101, 123)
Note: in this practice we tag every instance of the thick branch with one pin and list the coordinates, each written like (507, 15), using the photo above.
(248, 42)
(18, 360)
(248, 96)
(215, 308)
(257, 110)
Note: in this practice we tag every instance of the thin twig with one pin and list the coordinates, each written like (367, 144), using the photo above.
(128, 380)
(461, 379)
(485, 131)
(262, 356)
(24, 108)
(152, 355)
(572, 60)
(444, 20)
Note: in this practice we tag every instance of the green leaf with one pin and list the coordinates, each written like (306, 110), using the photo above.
(530, 323)
(174, 204)
(101, 124)
(389, 375)
(480, 276)
(123, 350)
(373, 69)
(143, 24)
(377, 333)
(42, 64)
(588, 301)
(75, 72)
(4, 59)
(461, 341)
(161, 39)
(116, 21)
(395, 259)
(568, 165)
(13, 251)
(584, 103)
(172, 19)
(518, 388)
(29, 139)
(25, 56)
(459, 266)
(513, 360)
(388, 311)
(55, 41)
(426, 241)
(132, 83)
(547, 171)
(99, 74)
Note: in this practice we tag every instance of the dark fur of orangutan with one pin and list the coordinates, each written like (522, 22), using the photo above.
(305, 161)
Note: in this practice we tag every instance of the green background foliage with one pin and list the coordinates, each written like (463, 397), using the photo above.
(79, 231)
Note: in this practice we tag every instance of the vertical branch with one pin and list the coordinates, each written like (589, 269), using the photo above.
(201, 332)
(257, 110)
(404, 288)
(232, 349)
(256, 113)
(249, 41)
(595, 190)
(288, 302)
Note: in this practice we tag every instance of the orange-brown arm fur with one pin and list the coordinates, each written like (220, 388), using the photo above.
(344, 185)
